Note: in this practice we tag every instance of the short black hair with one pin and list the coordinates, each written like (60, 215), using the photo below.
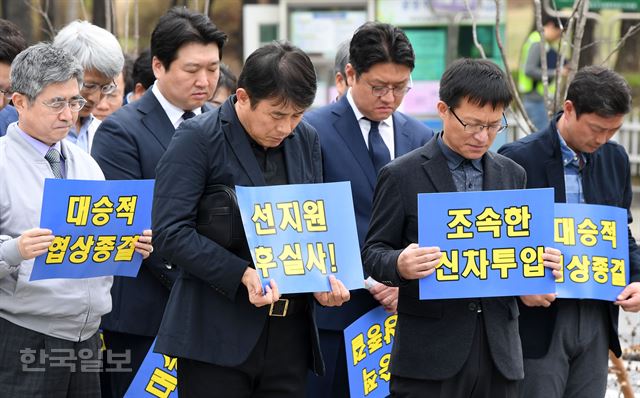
(480, 81)
(181, 26)
(599, 90)
(12, 42)
(546, 19)
(227, 79)
(142, 70)
(375, 43)
(280, 71)
(127, 70)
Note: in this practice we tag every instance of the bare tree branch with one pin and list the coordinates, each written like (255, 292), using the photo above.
(126, 27)
(581, 21)
(632, 31)
(45, 16)
(109, 16)
(543, 57)
(474, 30)
(83, 8)
(512, 83)
(563, 84)
(136, 26)
(559, 66)
(592, 44)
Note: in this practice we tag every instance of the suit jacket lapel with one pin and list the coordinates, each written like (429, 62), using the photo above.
(402, 137)
(237, 137)
(436, 167)
(553, 165)
(555, 177)
(348, 128)
(492, 173)
(292, 156)
(155, 119)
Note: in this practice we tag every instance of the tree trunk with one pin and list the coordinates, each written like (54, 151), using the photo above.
(19, 13)
(588, 54)
(99, 13)
(628, 60)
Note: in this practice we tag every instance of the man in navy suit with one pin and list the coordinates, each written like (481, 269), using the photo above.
(359, 134)
(565, 342)
(233, 338)
(186, 48)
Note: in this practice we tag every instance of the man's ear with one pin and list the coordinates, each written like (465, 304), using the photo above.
(139, 90)
(157, 67)
(351, 74)
(20, 102)
(442, 108)
(568, 108)
(242, 96)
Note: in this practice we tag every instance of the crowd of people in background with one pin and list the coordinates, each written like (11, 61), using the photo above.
(78, 108)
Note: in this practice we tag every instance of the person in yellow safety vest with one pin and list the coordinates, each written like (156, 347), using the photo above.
(530, 75)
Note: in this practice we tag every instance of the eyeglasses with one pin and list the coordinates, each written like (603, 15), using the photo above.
(477, 128)
(6, 93)
(91, 88)
(113, 98)
(381, 91)
(58, 106)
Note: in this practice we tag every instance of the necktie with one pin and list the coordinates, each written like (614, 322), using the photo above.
(53, 157)
(187, 115)
(378, 150)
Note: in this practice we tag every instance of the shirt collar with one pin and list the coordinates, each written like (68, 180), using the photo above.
(454, 159)
(84, 126)
(388, 121)
(173, 112)
(39, 146)
(568, 154)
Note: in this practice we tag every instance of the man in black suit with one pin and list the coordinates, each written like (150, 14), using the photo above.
(227, 333)
(448, 348)
(186, 48)
(566, 341)
(379, 75)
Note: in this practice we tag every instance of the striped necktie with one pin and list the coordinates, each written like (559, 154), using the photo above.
(53, 157)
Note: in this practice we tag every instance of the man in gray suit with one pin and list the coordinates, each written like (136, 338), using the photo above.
(448, 348)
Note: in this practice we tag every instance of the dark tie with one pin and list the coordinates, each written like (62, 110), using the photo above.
(378, 150)
(53, 157)
(188, 115)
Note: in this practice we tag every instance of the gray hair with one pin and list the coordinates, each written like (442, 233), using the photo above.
(41, 65)
(96, 49)
(342, 58)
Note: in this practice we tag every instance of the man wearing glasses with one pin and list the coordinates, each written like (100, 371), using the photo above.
(448, 348)
(51, 318)
(100, 55)
(359, 134)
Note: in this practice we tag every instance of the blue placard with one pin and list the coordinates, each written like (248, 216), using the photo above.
(368, 343)
(157, 377)
(594, 242)
(492, 242)
(300, 234)
(96, 224)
